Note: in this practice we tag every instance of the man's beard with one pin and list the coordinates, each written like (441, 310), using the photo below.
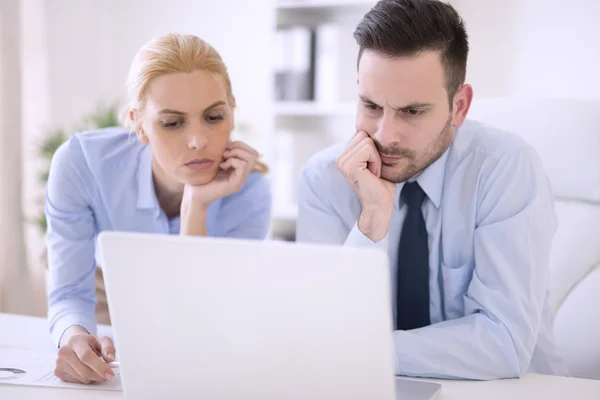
(415, 166)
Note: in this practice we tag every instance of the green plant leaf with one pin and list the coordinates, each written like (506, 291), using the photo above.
(51, 143)
(103, 117)
(42, 223)
(44, 176)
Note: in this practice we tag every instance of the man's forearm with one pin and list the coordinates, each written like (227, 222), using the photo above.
(473, 347)
(374, 223)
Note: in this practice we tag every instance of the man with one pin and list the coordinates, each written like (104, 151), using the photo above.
(464, 211)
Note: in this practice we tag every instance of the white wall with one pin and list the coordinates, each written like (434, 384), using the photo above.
(558, 54)
(35, 98)
(490, 25)
(544, 48)
(16, 286)
(81, 49)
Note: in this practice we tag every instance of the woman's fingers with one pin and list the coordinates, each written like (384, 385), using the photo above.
(242, 146)
(242, 154)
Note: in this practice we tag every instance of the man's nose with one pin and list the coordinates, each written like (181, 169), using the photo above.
(386, 129)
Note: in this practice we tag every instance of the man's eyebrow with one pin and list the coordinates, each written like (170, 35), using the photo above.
(417, 105)
(413, 106)
(367, 100)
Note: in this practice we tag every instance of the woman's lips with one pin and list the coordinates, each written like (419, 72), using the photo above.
(200, 164)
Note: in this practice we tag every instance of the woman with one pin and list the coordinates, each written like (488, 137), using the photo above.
(173, 170)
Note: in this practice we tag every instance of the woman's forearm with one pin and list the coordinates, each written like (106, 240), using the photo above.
(193, 221)
(70, 332)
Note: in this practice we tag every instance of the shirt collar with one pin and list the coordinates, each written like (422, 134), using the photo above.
(145, 183)
(431, 180)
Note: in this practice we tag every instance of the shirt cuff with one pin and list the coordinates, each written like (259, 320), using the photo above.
(395, 356)
(358, 239)
(60, 327)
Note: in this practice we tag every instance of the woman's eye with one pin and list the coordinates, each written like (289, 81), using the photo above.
(172, 124)
(215, 118)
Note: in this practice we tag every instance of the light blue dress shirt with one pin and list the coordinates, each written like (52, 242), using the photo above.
(490, 220)
(102, 181)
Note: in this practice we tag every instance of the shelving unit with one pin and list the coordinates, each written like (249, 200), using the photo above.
(318, 11)
(321, 4)
(302, 127)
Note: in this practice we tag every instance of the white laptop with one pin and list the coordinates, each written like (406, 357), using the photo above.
(238, 319)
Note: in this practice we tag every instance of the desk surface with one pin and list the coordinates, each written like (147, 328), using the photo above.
(31, 332)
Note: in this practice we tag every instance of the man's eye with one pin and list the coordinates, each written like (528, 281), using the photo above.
(413, 111)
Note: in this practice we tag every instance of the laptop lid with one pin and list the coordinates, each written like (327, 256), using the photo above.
(409, 389)
(234, 319)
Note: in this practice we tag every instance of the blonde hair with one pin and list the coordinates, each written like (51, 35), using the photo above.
(172, 53)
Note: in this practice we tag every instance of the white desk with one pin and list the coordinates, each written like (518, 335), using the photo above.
(32, 332)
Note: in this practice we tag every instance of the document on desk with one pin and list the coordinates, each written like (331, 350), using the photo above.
(28, 367)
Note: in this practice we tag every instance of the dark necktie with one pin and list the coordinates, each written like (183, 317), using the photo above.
(412, 300)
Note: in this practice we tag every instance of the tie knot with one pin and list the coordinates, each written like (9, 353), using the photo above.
(413, 195)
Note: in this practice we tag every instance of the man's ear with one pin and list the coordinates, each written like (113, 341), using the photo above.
(461, 104)
(139, 128)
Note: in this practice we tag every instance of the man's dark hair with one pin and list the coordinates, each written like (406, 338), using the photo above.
(398, 28)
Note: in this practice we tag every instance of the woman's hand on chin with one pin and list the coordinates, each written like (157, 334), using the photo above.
(239, 160)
